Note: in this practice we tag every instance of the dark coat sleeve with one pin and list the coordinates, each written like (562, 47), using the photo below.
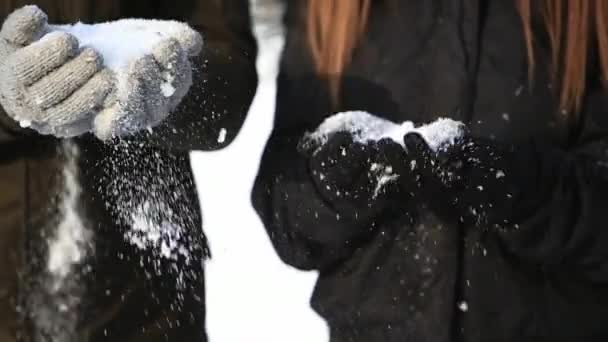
(7, 130)
(10, 129)
(563, 221)
(224, 82)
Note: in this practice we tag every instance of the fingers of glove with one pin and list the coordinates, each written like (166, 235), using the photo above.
(343, 163)
(414, 142)
(391, 154)
(190, 40)
(138, 101)
(416, 147)
(111, 98)
(339, 148)
(40, 58)
(178, 88)
(339, 141)
(145, 71)
(143, 89)
(391, 149)
(59, 84)
(24, 26)
(176, 71)
(83, 102)
(169, 54)
(105, 122)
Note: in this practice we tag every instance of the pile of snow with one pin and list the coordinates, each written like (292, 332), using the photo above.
(123, 41)
(366, 127)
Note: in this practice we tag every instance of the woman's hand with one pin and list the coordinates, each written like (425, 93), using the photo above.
(357, 178)
(151, 89)
(49, 84)
(476, 180)
(52, 85)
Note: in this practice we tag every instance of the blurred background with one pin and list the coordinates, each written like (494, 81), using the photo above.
(251, 294)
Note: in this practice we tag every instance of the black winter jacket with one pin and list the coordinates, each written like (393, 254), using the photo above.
(406, 274)
(120, 292)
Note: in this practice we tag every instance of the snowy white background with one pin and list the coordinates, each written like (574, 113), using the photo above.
(251, 294)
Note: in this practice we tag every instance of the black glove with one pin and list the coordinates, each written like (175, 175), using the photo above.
(475, 181)
(357, 179)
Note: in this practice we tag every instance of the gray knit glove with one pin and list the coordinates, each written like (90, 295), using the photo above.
(49, 83)
(55, 87)
(153, 86)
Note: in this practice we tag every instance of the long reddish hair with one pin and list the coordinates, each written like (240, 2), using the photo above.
(576, 28)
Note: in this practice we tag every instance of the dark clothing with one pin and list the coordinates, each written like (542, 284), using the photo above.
(121, 292)
(408, 274)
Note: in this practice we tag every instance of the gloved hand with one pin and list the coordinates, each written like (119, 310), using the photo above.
(153, 87)
(358, 179)
(48, 84)
(56, 88)
(477, 180)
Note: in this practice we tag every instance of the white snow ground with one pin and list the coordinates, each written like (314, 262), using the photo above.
(251, 294)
